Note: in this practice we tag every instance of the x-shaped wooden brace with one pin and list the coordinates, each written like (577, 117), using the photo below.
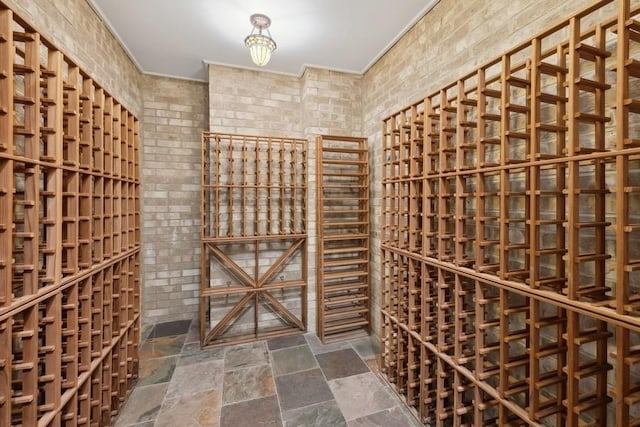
(256, 288)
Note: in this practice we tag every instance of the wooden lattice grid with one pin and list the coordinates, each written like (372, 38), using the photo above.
(527, 207)
(254, 238)
(69, 238)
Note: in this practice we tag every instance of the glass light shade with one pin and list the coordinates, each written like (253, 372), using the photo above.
(260, 47)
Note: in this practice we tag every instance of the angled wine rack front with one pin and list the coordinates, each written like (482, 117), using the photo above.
(510, 234)
(69, 238)
(254, 241)
(343, 237)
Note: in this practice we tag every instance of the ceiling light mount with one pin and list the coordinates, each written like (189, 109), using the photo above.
(260, 45)
(260, 21)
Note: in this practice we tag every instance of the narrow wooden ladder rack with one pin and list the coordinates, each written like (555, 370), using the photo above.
(342, 178)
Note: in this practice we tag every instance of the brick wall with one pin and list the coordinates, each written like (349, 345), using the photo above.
(254, 103)
(175, 114)
(331, 103)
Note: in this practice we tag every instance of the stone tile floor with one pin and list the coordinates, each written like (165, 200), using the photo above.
(293, 381)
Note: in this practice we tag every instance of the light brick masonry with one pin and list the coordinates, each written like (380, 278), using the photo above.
(175, 113)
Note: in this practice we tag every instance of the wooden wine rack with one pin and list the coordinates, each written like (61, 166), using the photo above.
(342, 177)
(69, 238)
(253, 202)
(510, 234)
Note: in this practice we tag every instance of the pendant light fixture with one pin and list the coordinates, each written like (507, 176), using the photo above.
(260, 45)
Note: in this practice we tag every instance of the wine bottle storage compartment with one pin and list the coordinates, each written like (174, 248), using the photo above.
(509, 247)
(69, 238)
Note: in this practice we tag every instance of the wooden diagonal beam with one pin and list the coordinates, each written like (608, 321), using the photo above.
(282, 310)
(223, 323)
(231, 265)
(279, 263)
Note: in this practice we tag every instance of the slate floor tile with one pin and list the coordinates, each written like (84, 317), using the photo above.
(287, 341)
(143, 405)
(248, 383)
(302, 389)
(195, 410)
(151, 423)
(361, 395)
(157, 370)
(255, 413)
(319, 415)
(341, 363)
(291, 381)
(245, 355)
(394, 417)
(191, 353)
(364, 347)
(145, 330)
(176, 327)
(373, 365)
(292, 359)
(194, 378)
(193, 334)
(317, 347)
(161, 347)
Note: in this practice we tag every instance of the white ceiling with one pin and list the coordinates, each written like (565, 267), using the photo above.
(177, 38)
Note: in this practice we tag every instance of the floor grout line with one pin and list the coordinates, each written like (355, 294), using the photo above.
(275, 385)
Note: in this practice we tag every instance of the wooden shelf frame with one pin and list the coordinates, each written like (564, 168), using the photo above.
(342, 221)
(254, 195)
(520, 305)
(69, 313)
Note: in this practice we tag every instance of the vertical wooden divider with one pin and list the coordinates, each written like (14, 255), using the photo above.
(6, 175)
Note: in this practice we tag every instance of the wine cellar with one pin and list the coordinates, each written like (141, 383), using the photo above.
(69, 238)
(437, 224)
(510, 234)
